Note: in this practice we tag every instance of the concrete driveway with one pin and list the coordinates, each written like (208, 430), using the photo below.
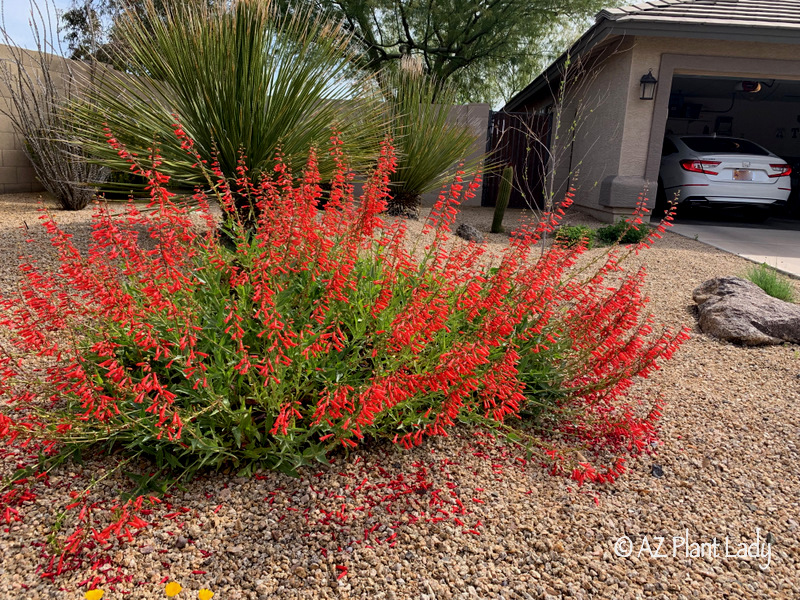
(776, 241)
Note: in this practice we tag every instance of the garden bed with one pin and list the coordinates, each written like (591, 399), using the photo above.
(465, 516)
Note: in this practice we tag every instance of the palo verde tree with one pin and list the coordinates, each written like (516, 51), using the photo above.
(92, 29)
(461, 41)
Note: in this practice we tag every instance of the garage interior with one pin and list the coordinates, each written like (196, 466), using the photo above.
(766, 111)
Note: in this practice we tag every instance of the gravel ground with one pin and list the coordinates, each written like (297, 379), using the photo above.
(382, 524)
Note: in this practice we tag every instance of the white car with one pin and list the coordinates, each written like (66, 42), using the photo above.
(711, 170)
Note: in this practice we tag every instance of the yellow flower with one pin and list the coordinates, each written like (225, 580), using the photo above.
(173, 589)
(205, 594)
(94, 594)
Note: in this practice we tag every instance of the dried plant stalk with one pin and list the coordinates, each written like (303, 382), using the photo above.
(37, 85)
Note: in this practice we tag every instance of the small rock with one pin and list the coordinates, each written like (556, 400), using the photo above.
(147, 550)
(469, 233)
(657, 471)
(181, 542)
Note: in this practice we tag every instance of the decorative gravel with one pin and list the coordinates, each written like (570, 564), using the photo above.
(464, 517)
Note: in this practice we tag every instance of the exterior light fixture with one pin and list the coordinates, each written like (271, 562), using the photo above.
(649, 84)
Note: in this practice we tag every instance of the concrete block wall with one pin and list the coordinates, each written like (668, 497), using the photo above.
(16, 172)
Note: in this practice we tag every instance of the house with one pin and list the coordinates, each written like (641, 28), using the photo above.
(730, 67)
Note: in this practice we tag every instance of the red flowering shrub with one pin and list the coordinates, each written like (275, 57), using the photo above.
(315, 329)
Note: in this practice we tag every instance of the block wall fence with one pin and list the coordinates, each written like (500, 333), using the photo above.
(16, 172)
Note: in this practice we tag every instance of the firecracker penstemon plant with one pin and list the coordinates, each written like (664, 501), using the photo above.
(205, 345)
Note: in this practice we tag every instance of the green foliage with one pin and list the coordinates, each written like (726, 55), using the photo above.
(772, 282)
(466, 42)
(503, 196)
(428, 142)
(622, 232)
(236, 76)
(572, 235)
(272, 345)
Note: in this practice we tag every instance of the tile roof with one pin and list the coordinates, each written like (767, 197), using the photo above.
(783, 14)
(766, 21)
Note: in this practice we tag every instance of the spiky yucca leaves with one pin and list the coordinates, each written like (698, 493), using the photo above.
(429, 144)
(236, 75)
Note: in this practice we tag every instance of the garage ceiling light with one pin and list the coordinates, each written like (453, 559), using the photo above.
(749, 87)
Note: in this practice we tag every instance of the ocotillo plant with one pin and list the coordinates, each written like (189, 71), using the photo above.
(503, 196)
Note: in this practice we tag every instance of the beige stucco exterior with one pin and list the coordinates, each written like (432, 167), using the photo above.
(589, 140)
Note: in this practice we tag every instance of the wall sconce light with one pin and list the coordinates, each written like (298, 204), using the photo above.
(649, 84)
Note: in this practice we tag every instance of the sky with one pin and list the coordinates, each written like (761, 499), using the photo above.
(17, 14)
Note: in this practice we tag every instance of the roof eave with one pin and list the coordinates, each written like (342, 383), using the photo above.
(605, 28)
(593, 36)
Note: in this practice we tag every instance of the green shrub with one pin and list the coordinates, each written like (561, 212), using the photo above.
(772, 282)
(429, 144)
(316, 330)
(571, 235)
(622, 232)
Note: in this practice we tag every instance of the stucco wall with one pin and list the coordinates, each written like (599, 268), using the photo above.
(590, 137)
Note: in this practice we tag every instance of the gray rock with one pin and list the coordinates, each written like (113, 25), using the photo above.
(737, 310)
(469, 233)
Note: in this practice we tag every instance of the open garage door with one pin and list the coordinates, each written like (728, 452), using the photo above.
(765, 111)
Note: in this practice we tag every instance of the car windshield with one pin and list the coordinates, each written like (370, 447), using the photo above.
(723, 145)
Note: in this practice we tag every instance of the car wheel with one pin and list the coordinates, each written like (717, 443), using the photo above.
(758, 214)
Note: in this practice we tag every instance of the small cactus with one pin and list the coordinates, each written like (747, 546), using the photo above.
(503, 196)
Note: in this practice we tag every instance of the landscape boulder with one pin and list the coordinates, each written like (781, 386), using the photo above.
(737, 310)
(469, 233)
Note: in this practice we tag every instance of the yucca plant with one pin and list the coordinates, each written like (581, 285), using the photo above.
(429, 144)
(236, 75)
